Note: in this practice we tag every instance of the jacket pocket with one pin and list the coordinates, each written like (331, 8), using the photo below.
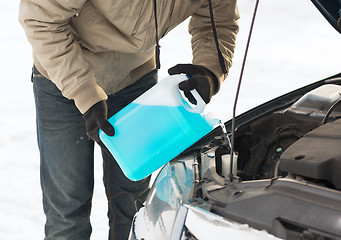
(138, 18)
(86, 13)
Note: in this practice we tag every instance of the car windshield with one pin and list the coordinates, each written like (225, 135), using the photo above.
(292, 45)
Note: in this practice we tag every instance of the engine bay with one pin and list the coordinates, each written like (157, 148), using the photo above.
(297, 140)
(287, 179)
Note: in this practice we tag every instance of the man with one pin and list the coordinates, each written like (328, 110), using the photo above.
(91, 58)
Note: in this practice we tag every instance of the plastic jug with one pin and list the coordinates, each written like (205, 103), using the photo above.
(155, 128)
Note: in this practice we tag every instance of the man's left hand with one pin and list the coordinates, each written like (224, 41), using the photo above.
(200, 78)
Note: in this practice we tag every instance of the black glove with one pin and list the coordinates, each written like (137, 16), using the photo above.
(95, 118)
(200, 78)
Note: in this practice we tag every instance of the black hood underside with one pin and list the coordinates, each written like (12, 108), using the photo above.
(331, 10)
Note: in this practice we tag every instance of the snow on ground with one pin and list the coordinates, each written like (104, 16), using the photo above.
(292, 46)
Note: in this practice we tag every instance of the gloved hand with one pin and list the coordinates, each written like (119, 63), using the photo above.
(200, 78)
(95, 118)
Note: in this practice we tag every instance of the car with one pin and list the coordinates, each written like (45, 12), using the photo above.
(273, 172)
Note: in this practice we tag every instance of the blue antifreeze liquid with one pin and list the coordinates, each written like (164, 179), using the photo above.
(148, 136)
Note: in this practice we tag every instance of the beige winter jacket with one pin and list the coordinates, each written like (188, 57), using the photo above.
(94, 48)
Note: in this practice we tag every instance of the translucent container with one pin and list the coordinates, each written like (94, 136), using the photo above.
(155, 128)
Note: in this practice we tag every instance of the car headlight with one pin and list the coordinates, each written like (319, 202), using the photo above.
(172, 187)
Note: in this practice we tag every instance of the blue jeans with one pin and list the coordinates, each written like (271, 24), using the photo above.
(67, 164)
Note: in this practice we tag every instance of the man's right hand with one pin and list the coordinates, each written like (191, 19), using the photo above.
(95, 119)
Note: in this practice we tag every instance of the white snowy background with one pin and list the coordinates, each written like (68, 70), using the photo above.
(292, 45)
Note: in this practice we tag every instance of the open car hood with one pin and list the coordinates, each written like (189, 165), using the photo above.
(331, 10)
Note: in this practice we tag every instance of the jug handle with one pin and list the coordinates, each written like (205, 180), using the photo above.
(199, 107)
